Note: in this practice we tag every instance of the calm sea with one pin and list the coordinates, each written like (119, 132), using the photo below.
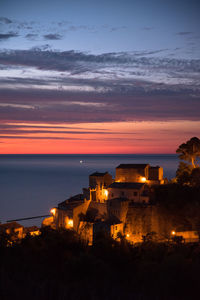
(30, 185)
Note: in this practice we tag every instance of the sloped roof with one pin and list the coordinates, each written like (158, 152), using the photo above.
(132, 166)
(156, 167)
(99, 174)
(74, 199)
(127, 185)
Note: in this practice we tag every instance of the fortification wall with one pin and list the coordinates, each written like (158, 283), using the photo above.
(141, 221)
(101, 207)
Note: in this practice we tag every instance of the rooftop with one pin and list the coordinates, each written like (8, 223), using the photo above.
(98, 174)
(74, 199)
(126, 185)
(132, 166)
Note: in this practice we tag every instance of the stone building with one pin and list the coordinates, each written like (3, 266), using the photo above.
(139, 173)
(98, 184)
(116, 206)
(133, 191)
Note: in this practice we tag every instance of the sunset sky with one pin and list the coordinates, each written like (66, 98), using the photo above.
(87, 76)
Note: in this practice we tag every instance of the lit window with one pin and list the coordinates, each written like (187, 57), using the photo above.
(143, 179)
(53, 211)
(70, 223)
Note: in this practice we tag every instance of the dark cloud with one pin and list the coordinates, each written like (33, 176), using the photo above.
(117, 28)
(184, 33)
(5, 20)
(82, 62)
(31, 36)
(80, 27)
(5, 36)
(45, 47)
(37, 137)
(22, 131)
(58, 107)
(147, 28)
(52, 36)
(62, 23)
(99, 88)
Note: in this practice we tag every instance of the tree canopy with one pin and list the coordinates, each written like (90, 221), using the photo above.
(190, 151)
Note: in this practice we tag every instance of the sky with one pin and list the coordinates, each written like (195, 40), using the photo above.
(87, 76)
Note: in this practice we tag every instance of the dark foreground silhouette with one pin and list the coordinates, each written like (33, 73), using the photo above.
(57, 265)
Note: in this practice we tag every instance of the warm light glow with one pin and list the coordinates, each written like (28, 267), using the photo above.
(157, 137)
(173, 232)
(34, 233)
(143, 179)
(128, 235)
(70, 223)
(53, 211)
(106, 193)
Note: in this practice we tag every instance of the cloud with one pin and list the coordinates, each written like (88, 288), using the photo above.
(184, 33)
(52, 36)
(5, 36)
(83, 62)
(80, 27)
(31, 36)
(117, 28)
(54, 107)
(73, 87)
(22, 131)
(37, 137)
(22, 106)
(147, 28)
(5, 20)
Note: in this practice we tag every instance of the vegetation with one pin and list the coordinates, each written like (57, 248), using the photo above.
(190, 151)
(189, 173)
(57, 265)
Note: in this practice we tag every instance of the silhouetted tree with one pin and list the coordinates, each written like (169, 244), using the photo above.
(195, 177)
(183, 173)
(190, 151)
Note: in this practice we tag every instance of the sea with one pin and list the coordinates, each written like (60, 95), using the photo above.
(30, 185)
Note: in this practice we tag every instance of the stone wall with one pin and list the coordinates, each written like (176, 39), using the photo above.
(144, 220)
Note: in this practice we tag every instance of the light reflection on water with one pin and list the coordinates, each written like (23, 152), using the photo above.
(31, 184)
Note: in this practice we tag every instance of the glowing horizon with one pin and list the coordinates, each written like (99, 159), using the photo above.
(145, 137)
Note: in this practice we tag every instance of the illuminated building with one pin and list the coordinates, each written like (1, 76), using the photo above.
(117, 206)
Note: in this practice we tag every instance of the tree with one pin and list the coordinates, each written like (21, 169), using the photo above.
(195, 177)
(190, 151)
(183, 173)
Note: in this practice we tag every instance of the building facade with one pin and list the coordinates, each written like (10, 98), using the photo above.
(107, 204)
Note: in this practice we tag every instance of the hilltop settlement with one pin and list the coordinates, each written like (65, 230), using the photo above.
(121, 207)
(137, 205)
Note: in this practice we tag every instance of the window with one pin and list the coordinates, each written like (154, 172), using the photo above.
(135, 193)
(122, 193)
(112, 195)
(115, 227)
